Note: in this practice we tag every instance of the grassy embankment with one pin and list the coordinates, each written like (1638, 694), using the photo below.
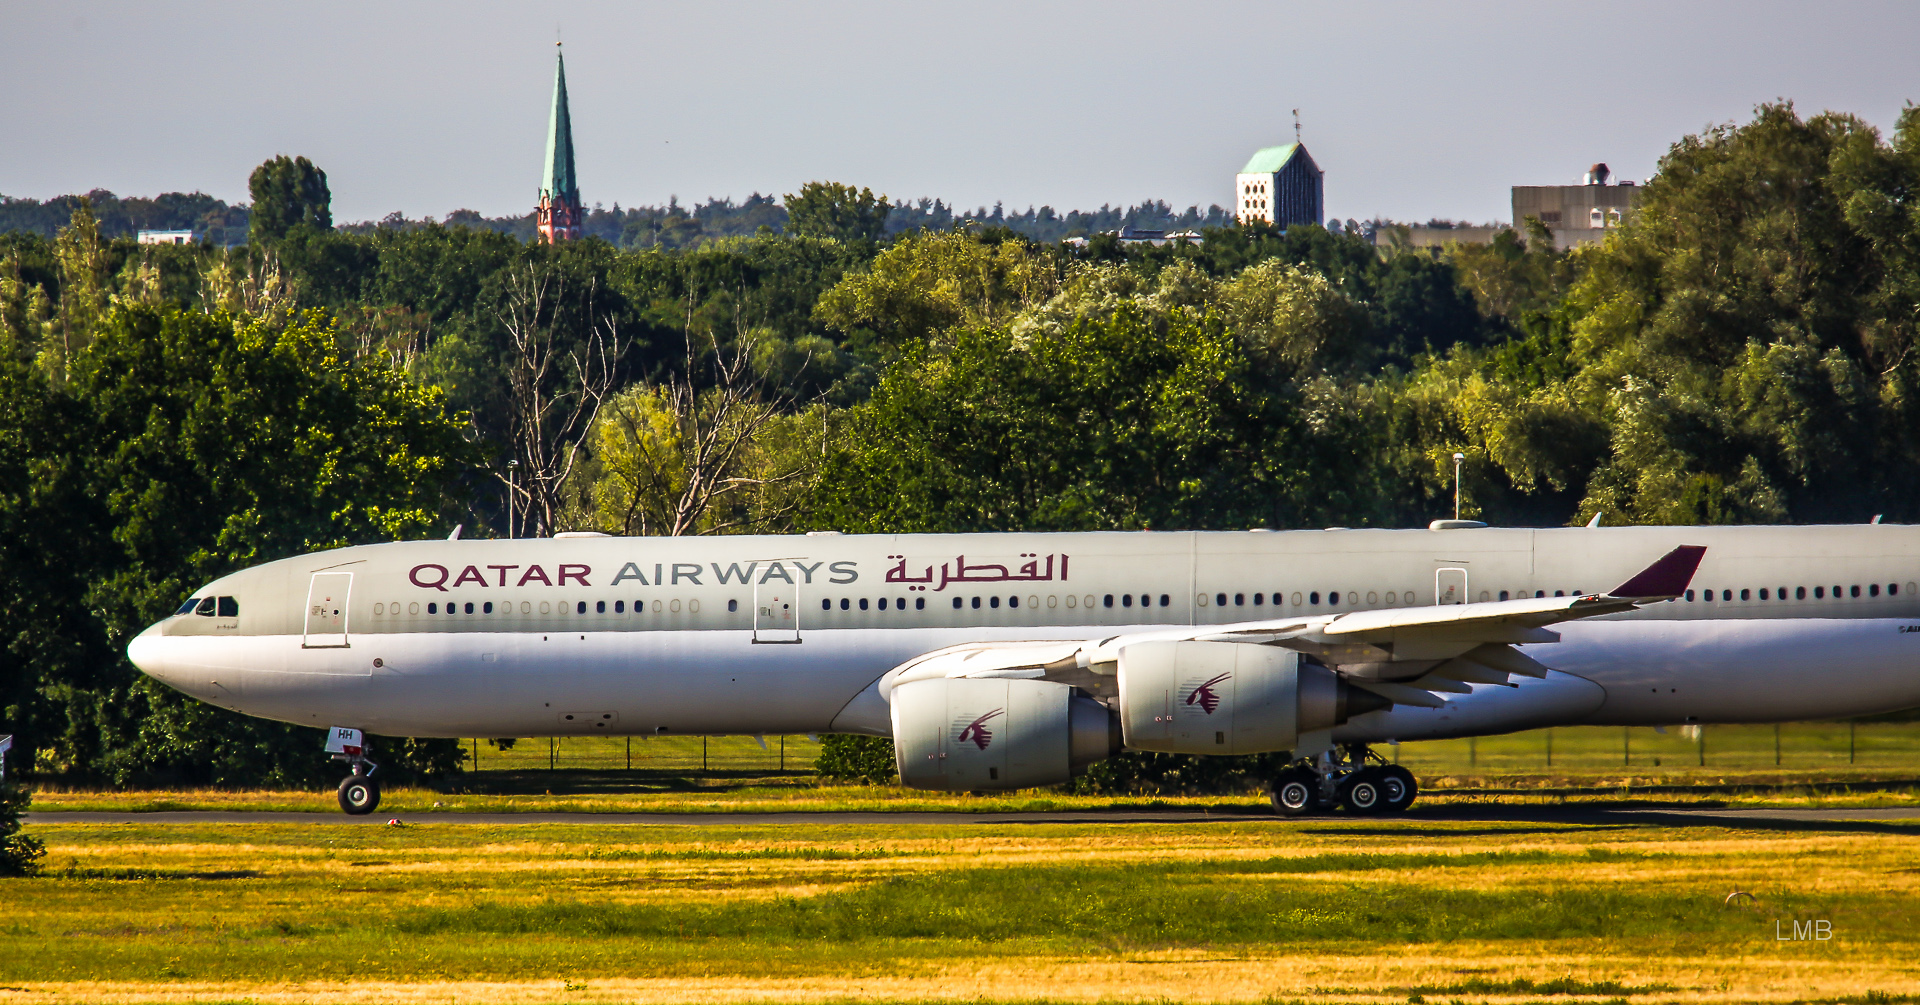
(1819, 763)
(1326, 910)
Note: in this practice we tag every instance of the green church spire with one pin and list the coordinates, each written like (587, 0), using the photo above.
(559, 183)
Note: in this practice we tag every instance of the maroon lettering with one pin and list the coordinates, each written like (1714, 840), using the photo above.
(503, 571)
(470, 575)
(437, 584)
(566, 573)
(535, 572)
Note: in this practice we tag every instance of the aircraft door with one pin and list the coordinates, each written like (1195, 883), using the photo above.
(776, 613)
(327, 596)
(1450, 586)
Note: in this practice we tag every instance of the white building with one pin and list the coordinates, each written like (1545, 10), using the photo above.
(167, 237)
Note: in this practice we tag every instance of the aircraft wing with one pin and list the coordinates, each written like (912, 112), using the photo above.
(1407, 655)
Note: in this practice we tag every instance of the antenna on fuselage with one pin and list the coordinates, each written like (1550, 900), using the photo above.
(455, 536)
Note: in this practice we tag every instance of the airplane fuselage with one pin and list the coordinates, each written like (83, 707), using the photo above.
(764, 635)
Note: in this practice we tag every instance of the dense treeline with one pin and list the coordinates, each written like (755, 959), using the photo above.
(1743, 351)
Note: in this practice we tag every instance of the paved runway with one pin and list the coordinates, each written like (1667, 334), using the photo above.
(1569, 814)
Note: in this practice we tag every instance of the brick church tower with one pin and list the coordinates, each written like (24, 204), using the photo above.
(559, 215)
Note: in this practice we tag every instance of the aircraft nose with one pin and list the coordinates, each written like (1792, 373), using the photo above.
(145, 652)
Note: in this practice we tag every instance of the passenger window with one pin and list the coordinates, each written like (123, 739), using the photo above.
(1873, 589)
(619, 607)
(1836, 593)
(1689, 596)
(826, 605)
(1854, 591)
(845, 603)
(1503, 596)
(1707, 595)
(1108, 602)
(1893, 589)
(489, 607)
(732, 606)
(599, 607)
(993, 602)
(1746, 594)
(229, 607)
(187, 608)
(863, 603)
(1333, 596)
(433, 608)
(1126, 600)
(1239, 600)
(1167, 601)
(883, 603)
(1258, 599)
(919, 603)
(1219, 600)
(1763, 593)
(1799, 593)
(469, 607)
(1013, 601)
(956, 603)
(976, 603)
(1819, 593)
(1314, 597)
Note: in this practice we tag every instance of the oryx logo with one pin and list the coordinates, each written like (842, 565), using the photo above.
(977, 730)
(1204, 695)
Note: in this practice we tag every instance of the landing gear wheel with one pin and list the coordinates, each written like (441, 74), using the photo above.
(1397, 789)
(1296, 793)
(359, 795)
(1362, 793)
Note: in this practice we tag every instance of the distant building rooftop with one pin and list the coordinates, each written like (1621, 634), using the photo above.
(166, 237)
(1270, 159)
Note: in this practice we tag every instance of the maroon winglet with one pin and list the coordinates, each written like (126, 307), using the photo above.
(1667, 577)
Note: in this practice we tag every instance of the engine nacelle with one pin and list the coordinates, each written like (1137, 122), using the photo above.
(1228, 698)
(996, 733)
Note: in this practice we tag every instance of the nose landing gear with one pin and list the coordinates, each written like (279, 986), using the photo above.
(359, 793)
(1352, 776)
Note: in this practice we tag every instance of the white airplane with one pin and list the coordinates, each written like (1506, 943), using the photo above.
(1000, 661)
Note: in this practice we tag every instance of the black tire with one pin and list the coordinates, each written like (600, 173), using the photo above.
(1399, 788)
(1296, 793)
(1362, 794)
(359, 795)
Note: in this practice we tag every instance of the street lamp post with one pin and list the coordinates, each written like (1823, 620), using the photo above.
(1457, 458)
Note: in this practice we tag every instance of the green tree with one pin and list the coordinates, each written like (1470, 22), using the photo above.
(184, 446)
(19, 853)
(841, 212)
(288, 192)
(930, 281)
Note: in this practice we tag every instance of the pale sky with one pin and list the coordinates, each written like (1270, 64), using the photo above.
(1414, 110)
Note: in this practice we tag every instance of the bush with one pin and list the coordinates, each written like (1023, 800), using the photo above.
(19, 853)
(856, 759)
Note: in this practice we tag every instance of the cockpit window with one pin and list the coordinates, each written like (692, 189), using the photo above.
(229, 607)
(205, 609)
(187, 608)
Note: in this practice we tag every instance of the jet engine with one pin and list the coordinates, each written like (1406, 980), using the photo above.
(1228, 698)
(996, 733)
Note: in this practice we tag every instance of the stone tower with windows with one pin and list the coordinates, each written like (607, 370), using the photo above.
(1281, 186)
(559, 215)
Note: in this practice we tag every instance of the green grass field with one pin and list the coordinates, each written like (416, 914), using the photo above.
(1335, 909)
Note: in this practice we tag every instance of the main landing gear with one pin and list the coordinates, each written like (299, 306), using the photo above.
(1351, 776)
(359, 793)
